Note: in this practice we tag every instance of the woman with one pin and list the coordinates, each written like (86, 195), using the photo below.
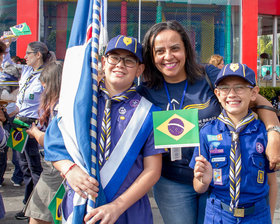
(50, 179)
(28, 100)
(173, 80)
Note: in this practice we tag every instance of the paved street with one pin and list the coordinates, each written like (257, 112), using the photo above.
(13, 201)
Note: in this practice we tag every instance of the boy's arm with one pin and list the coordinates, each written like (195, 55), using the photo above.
(110, 212)
(273, 190)
(270, 119)
(202, 175)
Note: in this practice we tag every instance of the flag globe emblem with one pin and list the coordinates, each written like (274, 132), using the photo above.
(17, 136)
(176, 127)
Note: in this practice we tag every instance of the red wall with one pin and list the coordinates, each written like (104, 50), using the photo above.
(250, 33)
(269, 7)
(61, 30)
(27, 11)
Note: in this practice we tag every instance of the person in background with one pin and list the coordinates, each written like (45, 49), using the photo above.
(234, 167)
(50, 179)
(28, 100)
(217, 61)
(8, 91)
(173, 80)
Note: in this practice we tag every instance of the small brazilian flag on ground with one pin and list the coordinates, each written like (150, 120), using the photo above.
(176, 128)
(18, 136)
(55, 205)
(20, 29)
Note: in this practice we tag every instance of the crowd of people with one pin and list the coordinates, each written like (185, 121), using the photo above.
(231, 177)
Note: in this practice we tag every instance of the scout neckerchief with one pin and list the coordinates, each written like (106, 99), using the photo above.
(235, 154)
(105, 136)
(24, 87)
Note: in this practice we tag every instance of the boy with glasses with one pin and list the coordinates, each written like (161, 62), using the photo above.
(128, 162)
(231, 161)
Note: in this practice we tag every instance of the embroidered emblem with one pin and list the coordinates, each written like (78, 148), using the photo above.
(216, 151)
(122, 110)
(134, 103)
(260, 179)
(31, 96)
(234, 67)
(259, 147)
(218, 159)
(127, 40)
(217, 176)
(211, 138)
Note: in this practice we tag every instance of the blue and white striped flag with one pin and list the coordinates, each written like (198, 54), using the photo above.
(78, 98)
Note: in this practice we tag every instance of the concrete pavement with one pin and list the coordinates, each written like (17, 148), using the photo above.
(13, 197)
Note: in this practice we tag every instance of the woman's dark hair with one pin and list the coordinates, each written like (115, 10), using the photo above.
(41, 47)
(151, 74)
(51, 77)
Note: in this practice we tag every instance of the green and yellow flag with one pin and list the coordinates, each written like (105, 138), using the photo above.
(20, 29)
(176, 128)
(55, 205)
(18, 136)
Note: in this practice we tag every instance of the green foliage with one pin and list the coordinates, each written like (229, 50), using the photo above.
(269, 92)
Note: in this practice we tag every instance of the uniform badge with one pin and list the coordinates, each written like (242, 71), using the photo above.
(260, 179)
(259, 147)
(127, 40)
(211, 138)
(234, 67)
(31, 96)
(134, 103)
(122, 110)
(217, 176)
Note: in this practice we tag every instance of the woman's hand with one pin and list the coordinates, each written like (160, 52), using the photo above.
(32, 130)
(272, 150)
(106, 214)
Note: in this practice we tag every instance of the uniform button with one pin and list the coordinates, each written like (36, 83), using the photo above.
(260, 164)
(217, 164)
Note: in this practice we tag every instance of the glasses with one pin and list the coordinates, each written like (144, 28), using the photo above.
(238, 89)
(129, 62)
(30, 52)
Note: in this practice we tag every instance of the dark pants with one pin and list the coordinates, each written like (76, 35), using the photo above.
(30, 165)
(3, 163)
(17, 175)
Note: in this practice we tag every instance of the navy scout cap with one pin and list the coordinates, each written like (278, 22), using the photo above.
(239, 70)
(125, 43)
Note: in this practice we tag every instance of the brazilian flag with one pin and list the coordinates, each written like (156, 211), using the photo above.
(176, 128)
(18, 136)
(20, 29)
(55, 205)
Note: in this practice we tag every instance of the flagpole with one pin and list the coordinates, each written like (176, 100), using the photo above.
(139, 33)
(94, 73)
